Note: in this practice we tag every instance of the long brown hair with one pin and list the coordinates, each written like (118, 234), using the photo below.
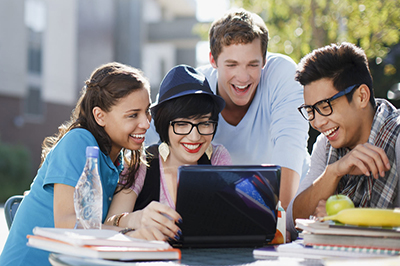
(106, 85)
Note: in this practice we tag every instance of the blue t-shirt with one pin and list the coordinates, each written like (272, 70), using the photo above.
(63, 165)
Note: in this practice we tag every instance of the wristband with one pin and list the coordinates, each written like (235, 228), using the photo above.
(118, 217)
(126, 230)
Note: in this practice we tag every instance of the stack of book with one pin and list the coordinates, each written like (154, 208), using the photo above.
(328, 240)
(329, 235)
(100, 244)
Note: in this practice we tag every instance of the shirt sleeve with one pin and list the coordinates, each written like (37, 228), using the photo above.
(68, 157)
(289, 130)
(220, 156)
(139, 179)
(317, 167)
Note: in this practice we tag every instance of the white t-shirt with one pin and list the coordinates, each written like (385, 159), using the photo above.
(272, 131)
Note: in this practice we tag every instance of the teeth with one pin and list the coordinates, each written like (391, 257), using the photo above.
(138, 136)
(191, 147)
(241, 87)
(328, 132)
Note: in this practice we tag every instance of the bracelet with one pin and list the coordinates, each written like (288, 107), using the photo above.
(126, 230)
(118, 217)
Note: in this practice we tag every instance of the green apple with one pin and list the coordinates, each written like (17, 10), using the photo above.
(336, 203)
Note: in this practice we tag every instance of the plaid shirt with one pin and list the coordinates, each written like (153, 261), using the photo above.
(365, 191)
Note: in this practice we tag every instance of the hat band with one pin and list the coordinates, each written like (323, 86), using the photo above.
(182, 88)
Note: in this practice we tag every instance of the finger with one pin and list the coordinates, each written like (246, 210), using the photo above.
(153, 233)
(370, 160)
(162, 223)
(166, 210)
(381, 153)
(149, 233)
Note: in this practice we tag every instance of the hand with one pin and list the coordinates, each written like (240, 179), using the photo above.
(364, 159)
(147, 233)
(157, 215)
(320, 210)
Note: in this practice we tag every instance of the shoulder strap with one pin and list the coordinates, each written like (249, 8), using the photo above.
(151, 187)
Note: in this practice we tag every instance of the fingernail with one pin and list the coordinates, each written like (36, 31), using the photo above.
(382, 174)
(179, 232)
(180, 221)
(177, 237)
(388, 165)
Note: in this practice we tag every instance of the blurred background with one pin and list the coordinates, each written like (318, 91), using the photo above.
(48, 49)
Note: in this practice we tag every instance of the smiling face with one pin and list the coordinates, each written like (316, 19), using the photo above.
(239, 71)
(350, 122)
(127, 121)
(187, 149)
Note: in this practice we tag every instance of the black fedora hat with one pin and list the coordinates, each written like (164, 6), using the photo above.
(184, 80)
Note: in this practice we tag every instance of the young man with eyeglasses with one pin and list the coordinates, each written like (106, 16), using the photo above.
(356, 154)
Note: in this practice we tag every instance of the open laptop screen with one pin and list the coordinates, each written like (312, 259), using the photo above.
(227, 205)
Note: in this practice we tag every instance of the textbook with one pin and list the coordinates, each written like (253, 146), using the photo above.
(366, 243)
(100, 244)
(329, 235)
(298, 250)
(82, 237)
(334, 228)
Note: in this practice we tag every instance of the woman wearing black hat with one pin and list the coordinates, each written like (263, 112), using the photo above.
(186, 118)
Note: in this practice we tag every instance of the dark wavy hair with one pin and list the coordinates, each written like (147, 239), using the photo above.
(106, 85)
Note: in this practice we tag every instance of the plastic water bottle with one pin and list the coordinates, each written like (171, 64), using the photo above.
(88, 195)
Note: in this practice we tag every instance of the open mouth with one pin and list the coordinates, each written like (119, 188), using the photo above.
(192, 148)
(137, 136)
(331, 132)
(241, 89)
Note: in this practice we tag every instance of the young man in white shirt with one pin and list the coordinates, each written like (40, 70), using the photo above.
(260, 123)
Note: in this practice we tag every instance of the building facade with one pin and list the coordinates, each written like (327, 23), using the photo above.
(49, 48)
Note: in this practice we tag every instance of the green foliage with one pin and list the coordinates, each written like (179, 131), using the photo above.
(299, 26)
(15, 166)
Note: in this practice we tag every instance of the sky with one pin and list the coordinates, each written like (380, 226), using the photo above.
(207, 11)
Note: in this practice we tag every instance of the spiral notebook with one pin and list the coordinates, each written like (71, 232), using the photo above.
(225, 206)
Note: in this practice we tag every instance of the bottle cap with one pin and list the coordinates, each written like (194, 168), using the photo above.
(92, 151)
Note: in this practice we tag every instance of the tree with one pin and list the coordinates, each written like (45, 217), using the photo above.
(298, 26)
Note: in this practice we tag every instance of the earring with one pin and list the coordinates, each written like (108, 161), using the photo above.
(163, 150)
(209, 152)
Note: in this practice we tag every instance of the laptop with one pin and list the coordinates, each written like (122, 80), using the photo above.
(227, 206)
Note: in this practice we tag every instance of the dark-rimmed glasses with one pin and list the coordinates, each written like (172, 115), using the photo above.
(185, 127)
(323, 107)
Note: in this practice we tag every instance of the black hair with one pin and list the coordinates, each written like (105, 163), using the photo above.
(188, 106)
(345, 64)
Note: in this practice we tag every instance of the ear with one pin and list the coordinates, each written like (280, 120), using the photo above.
(99, 116)
(212, 60)
(363, 94)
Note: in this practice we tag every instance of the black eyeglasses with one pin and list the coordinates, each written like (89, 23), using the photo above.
(323, 107)
(185, 127)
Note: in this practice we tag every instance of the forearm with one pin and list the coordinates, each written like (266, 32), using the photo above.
(288, 187)
(67, 221)
(324, 186)
(123, 202)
